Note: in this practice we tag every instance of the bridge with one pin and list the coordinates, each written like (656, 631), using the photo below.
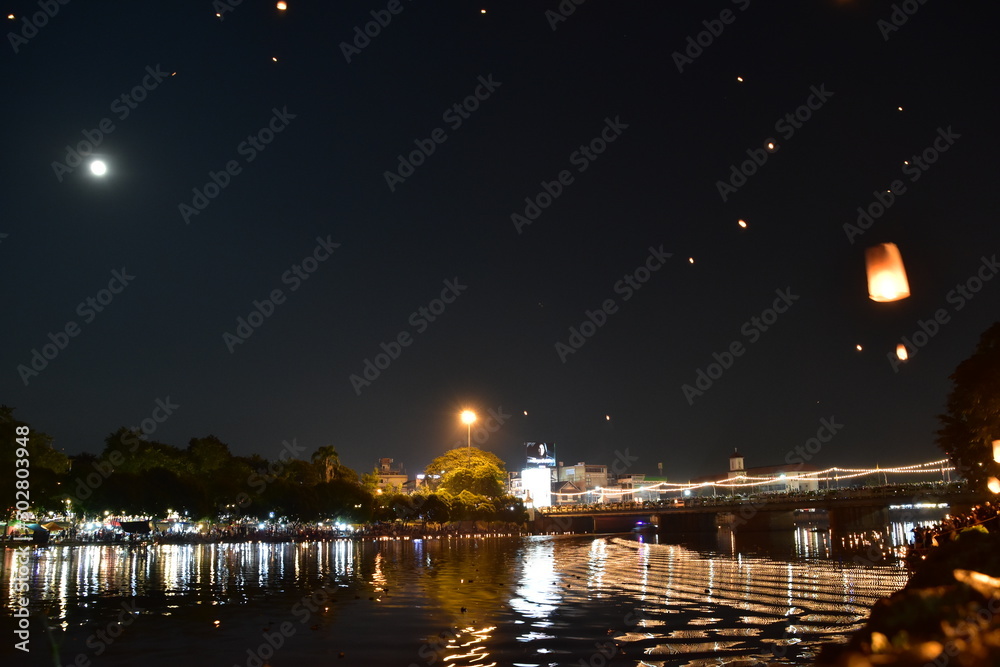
(848, 510)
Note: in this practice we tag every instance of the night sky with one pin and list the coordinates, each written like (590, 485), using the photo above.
(385, 247)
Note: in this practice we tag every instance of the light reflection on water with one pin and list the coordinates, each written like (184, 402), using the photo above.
(528, 601)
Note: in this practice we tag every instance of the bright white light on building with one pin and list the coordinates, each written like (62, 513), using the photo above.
(537, 486)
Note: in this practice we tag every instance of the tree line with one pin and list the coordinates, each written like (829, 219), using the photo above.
(134, 475)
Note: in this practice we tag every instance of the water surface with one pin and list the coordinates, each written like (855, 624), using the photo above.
(531, 601)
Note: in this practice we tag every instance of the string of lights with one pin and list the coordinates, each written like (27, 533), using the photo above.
(834, 474)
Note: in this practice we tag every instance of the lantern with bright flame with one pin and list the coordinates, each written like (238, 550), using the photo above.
(886, 275)
(993, 485)
(901, 352)
(996, 451)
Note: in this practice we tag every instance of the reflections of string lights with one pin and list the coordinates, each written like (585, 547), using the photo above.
(474, 650)
(597, 554)
(563, 589)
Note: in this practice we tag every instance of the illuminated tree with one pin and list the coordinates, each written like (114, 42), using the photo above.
(469, 469)
(972, 421)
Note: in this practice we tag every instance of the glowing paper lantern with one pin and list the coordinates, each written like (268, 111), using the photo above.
(993, 485)
(901, 352)
(886, 275)
(282, 6)
(996, 451)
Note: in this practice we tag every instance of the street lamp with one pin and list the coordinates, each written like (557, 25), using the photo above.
(468, 416)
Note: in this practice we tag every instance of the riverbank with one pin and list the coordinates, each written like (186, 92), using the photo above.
(947, 614)
(242, 534)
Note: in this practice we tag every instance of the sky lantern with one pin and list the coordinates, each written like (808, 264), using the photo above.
(996, 451)
(886, 275)
(901, 352)
(282, 6)
(993, 485)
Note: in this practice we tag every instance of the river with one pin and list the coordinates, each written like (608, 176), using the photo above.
(525, 601)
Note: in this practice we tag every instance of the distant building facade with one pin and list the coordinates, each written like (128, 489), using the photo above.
(774, 479)
(580, 483)
(391, 476)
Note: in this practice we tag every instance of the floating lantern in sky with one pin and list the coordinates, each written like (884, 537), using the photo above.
(482, 11)
(10, 16)
(901, 352)
(770, 146)
(993, 485)
(740, 79)
(886, 275)
(98, 168)
(900, 108)
(742, 223)
(858, 347)
(274, 59)
(690, 260)
(282, 6)
(996, 451)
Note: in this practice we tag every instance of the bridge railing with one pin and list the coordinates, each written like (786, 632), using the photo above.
(910, 490)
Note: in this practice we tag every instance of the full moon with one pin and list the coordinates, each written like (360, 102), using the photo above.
(98, 168)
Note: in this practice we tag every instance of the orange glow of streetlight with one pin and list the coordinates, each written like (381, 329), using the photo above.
(468, 416)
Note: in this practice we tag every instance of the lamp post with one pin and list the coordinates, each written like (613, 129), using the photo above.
(468, 416)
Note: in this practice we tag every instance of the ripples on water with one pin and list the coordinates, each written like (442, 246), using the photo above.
(532, 601)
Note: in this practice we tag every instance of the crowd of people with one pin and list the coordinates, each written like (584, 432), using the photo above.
(986, 515)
